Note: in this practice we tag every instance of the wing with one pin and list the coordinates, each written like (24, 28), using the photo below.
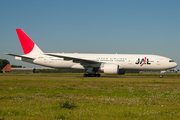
(74, 59)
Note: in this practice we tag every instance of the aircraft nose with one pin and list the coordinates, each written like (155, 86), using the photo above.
(175, 64)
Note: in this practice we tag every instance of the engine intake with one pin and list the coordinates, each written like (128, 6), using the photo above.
(110, 69)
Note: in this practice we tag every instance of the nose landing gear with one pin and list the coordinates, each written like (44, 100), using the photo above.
(161, 74)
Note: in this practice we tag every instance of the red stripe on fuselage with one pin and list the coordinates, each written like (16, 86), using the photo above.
(144, 61)
(26, 43)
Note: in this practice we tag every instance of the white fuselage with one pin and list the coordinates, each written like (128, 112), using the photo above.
(125, 61)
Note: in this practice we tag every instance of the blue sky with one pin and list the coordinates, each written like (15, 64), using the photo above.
(104, 26)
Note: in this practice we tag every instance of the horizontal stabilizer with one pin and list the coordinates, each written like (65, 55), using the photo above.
(19, 56)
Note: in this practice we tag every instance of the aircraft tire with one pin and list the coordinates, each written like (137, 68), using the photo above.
(94, 75)
(98, 75)
(89, 75)
(85, 75)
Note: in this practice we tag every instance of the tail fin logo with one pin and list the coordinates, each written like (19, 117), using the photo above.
(26, 42)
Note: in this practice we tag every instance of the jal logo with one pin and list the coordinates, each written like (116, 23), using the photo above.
(143, 61)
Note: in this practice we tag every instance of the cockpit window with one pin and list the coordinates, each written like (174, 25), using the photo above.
(171, 60)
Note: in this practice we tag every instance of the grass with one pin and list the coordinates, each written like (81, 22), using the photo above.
(89, 98)
(103, 75)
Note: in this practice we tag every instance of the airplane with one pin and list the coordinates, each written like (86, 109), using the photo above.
(92, 63)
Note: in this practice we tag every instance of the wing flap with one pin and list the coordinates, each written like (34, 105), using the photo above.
(74, 59)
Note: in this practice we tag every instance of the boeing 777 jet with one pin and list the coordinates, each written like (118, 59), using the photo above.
(92, 63)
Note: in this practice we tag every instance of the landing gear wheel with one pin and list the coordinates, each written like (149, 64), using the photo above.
(160, 76)
(85, 75)
(98, 75)
(89, 75)
(94, 75)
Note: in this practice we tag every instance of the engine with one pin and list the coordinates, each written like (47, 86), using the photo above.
(112, 69)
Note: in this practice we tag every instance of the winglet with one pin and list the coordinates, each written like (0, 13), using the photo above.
(26, 42)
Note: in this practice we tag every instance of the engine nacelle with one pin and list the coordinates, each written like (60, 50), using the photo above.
(110, 69)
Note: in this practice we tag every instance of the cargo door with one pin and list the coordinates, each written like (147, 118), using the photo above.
(129, 61)
(158, 61)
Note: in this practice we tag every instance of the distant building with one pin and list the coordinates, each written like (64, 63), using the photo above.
(7, 68)
(28, 70)
(21, 70)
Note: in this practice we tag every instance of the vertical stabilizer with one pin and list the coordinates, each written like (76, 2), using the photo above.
(27, 44)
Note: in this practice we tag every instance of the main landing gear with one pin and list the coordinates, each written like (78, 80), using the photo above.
(91, 75)
(91, 72)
